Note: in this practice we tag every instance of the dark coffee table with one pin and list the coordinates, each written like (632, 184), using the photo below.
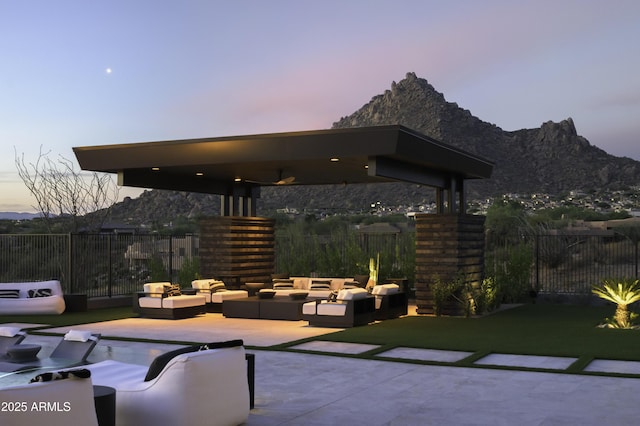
(277, 308)
(282, 308)
(246, 307)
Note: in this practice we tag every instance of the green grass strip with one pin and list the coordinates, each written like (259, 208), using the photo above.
(71, 318)
(540, 329)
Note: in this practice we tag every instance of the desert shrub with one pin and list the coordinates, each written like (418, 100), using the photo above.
(510, 270)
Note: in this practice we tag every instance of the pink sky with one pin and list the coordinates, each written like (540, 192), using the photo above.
(183, 69)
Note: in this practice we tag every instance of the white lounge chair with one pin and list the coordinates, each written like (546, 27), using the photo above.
(183, 387)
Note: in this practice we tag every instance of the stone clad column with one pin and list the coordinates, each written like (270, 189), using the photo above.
(237, 249)
(448, 246)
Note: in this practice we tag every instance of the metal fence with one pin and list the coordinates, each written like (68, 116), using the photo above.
(572, 264)
(118, 264)
(100, 265)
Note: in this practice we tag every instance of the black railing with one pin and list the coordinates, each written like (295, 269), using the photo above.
(572, 264)
(117, 264)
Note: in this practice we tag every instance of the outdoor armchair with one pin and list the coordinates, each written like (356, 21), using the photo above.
(195, 385)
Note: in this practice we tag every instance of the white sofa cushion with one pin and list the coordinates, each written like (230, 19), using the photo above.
(309, 308)
(155, 289)
(352, 294)
(171, 302)
(331, 308)
(205, 284)
(220, 296)
(383, 289)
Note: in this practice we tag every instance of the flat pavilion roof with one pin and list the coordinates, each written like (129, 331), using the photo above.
(337, 156)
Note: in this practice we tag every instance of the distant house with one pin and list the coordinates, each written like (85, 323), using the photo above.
(173, 251)
(119, 228)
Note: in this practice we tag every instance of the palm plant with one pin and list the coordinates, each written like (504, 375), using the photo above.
(622, 293)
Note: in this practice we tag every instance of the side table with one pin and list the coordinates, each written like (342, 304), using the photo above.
(253, 288)
(23, 352)
(104, 398)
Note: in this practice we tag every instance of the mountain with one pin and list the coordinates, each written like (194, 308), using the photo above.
(18, 216)
(550, 159)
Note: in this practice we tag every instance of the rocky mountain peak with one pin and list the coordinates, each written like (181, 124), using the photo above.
(552, 158)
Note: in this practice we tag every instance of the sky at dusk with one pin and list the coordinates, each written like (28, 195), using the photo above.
(77, 73)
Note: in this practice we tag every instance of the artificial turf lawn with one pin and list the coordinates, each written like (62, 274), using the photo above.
(72, 318)
(536, 329)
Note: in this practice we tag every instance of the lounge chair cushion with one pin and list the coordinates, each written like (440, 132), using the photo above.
(77, 335)
(9, 331)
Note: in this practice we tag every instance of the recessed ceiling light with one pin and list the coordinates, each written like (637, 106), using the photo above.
(335, 159)
(237, 179)
(199, 174)
(155, 169)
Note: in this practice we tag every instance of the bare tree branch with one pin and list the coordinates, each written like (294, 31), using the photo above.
(68, 199)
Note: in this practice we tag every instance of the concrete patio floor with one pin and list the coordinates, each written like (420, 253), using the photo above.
(296, 388)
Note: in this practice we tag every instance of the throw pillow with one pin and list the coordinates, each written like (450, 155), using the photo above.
(282, 283)
(333, 297)
(39, 292)
(320, 285)
(172, 289)
(161, 361)
(9, 294)
(280, 276)
(362, 280)
(81, 373)
(217, 286)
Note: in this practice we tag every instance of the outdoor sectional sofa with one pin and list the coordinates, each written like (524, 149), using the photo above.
(215, 292)
(31, 298)
(353, 307)
(316, 287)
(390, 301)
(157, 302)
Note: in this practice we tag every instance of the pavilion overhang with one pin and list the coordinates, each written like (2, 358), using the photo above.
(237, 166)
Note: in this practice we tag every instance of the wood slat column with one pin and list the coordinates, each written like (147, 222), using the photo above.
(448, 246)
(237, 249)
